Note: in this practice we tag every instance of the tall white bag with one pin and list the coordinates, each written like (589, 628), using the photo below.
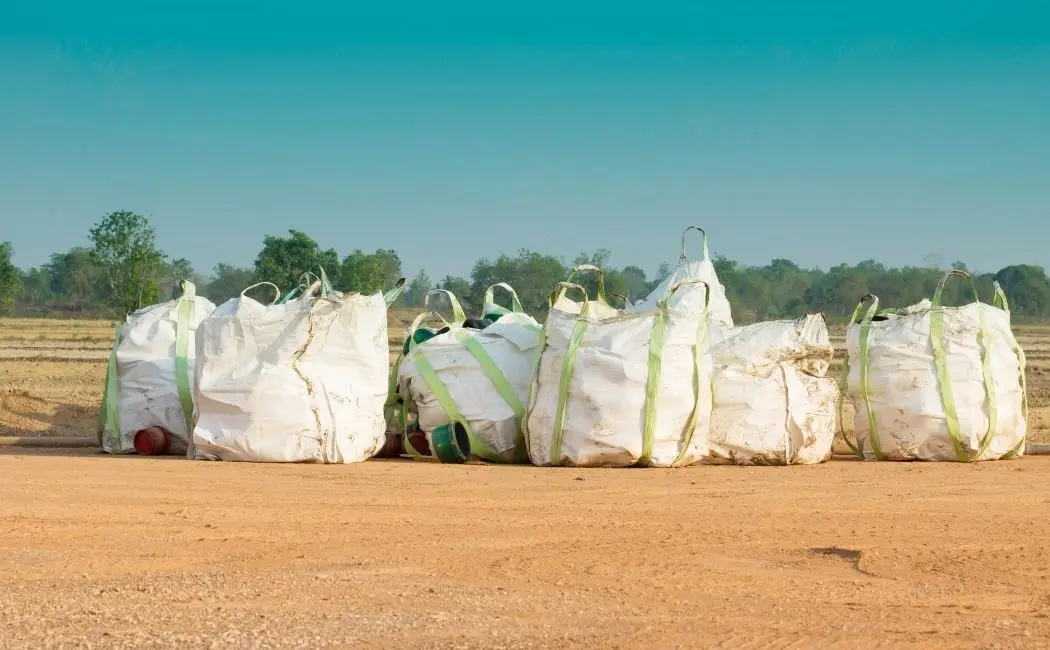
(149, 380)
(708, 295)
(300, 381)
(478, 378)
(773, 401)
(937, 383)
(615, 389)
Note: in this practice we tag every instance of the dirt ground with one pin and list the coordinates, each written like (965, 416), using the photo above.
(51, 373)
(110, 552)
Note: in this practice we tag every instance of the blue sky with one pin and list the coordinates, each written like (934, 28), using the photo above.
(823, 132)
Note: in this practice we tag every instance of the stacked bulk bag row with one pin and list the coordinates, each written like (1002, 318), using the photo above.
(930, 382)
(614, 388)
(149, 391)
(299, 380)
(468, 382)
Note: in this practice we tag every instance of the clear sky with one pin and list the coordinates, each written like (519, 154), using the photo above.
(823, 132)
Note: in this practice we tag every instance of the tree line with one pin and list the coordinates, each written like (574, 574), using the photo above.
(123, 269)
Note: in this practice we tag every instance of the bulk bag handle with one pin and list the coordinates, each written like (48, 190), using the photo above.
(276, 289)
(998, 299)
(458, 316)
(601, 280)
(682, 256)
(490, 299)
(390, 296)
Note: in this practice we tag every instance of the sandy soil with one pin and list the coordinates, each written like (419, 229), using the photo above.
(120, 552)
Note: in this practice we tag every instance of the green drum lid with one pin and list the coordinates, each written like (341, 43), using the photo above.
(451, 443)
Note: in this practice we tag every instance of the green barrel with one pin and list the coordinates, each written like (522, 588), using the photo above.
(421, 335)
(451, 443)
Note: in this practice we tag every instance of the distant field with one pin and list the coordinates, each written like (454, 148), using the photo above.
(51, 373)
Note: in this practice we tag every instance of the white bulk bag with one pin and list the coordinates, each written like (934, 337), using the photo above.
(300, 381)
(616, 389)
(691, 296)
(773, 401)
(149, 381)
(479, 378)
(931, 382)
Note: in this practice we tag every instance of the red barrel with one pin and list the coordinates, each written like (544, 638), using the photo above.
(391, 447)
(152, 441)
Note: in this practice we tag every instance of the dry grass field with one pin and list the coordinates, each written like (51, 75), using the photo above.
(51, 374)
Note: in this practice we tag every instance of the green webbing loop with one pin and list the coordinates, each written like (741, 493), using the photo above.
(489, 301)
(1021, 446)
(844, 381)
(109, 414)
(448, 405)
(654, 367)
(657, 338)
(567, 369)
(698, 359)
(865, 366)
(682, 256)
(602, 298)
(499, 382)
(182, 339)
(390, 296)
(458, 316)
(944, 380)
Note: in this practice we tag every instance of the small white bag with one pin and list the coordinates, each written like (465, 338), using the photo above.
(149, 381)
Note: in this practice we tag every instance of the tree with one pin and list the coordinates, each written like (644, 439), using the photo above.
(36, 287)
(177, 271)
(74, 277)
(636, 283)
(283, 260)
(10, 279)
(227, 282)
(532, 275)
(128, 259)
(369, 273)
(417, 289)
(1027, 288)
(463, 292)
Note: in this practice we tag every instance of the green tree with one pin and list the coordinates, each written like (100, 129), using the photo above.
(283, 260)
(463, 291)
(36, 287)
(1027, 288)
(636, 283)
(10, 279)
(174, 274)
(368, 273)
(75, 277)
(532, 275)
(417, 289)
(227, 282)
(129, 261)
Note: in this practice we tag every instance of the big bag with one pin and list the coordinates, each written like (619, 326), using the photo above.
(708, 294)
(773, 401)
(615, 389)
(476, 378)
(938, 383)
(300, 381)
(150, 376)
